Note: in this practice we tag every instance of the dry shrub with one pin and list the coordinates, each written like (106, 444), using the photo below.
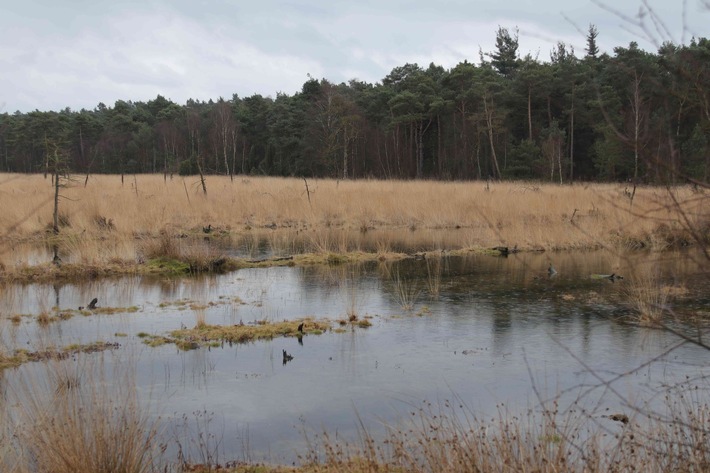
(348, 278)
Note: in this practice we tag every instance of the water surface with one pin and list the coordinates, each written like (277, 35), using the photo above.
(482, 329)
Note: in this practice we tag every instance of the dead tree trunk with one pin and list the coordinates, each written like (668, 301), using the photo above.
(489, 122)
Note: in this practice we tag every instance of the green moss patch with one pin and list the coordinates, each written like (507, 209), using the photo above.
(213, 335)
(167, 265)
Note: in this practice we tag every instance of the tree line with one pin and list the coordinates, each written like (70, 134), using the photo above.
(631, 115)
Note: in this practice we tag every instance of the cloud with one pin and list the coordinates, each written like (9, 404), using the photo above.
(139, 57)
(53, 55)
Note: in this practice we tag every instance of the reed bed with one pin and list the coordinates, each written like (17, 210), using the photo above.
(544, 441)
(108, 221)
(79, 418)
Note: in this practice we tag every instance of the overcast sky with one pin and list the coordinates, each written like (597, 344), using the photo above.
(59, 53)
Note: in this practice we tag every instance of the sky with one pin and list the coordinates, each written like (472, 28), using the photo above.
(59, 53)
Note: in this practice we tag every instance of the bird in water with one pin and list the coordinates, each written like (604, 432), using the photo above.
(207, 229)
(300, 327)
(92, 304)
(286, 357)
(551, 271)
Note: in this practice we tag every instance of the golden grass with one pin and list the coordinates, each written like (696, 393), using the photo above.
(650, 290)
(406, 292)
(80, 420)
(200, 317)
(647, 298)
(434, 270)
(107, 223)
(446, 445)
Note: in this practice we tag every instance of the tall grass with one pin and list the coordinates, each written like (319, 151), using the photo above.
(9, 457)
(406, 292)
(651, 292)
(648, 297)
(443, 441)
(452, 440)
(200, 318)
(106, 220)
(88, 421)
(198, 255)
(349, 277)
(434, 270)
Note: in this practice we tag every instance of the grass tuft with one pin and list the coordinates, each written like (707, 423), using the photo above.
(406, 293)
(87, 424)
(204, 335)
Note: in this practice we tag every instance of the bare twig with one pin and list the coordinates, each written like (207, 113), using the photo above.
(308, 192)
(186, 192)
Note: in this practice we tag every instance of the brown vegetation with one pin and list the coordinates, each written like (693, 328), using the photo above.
(78, 420)
(75, 420)
(109, 228)
(546, 442)
(451, 440)
(207, 335)
(20, 356)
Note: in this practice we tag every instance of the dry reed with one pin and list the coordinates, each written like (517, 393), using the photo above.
(200, 318)
(405, 292)
(76, 420)
(107, 221)
(650, 291)
(75, 423)
(648, 298)
(449, 440)
(434, 268)
(83, 419)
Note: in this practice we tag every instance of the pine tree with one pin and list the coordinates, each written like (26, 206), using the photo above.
(505, 59)
(592, 49)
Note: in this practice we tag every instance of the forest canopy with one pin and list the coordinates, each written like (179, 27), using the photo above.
(629, 115)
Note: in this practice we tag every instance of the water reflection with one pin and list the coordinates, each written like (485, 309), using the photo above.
(496, 326)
